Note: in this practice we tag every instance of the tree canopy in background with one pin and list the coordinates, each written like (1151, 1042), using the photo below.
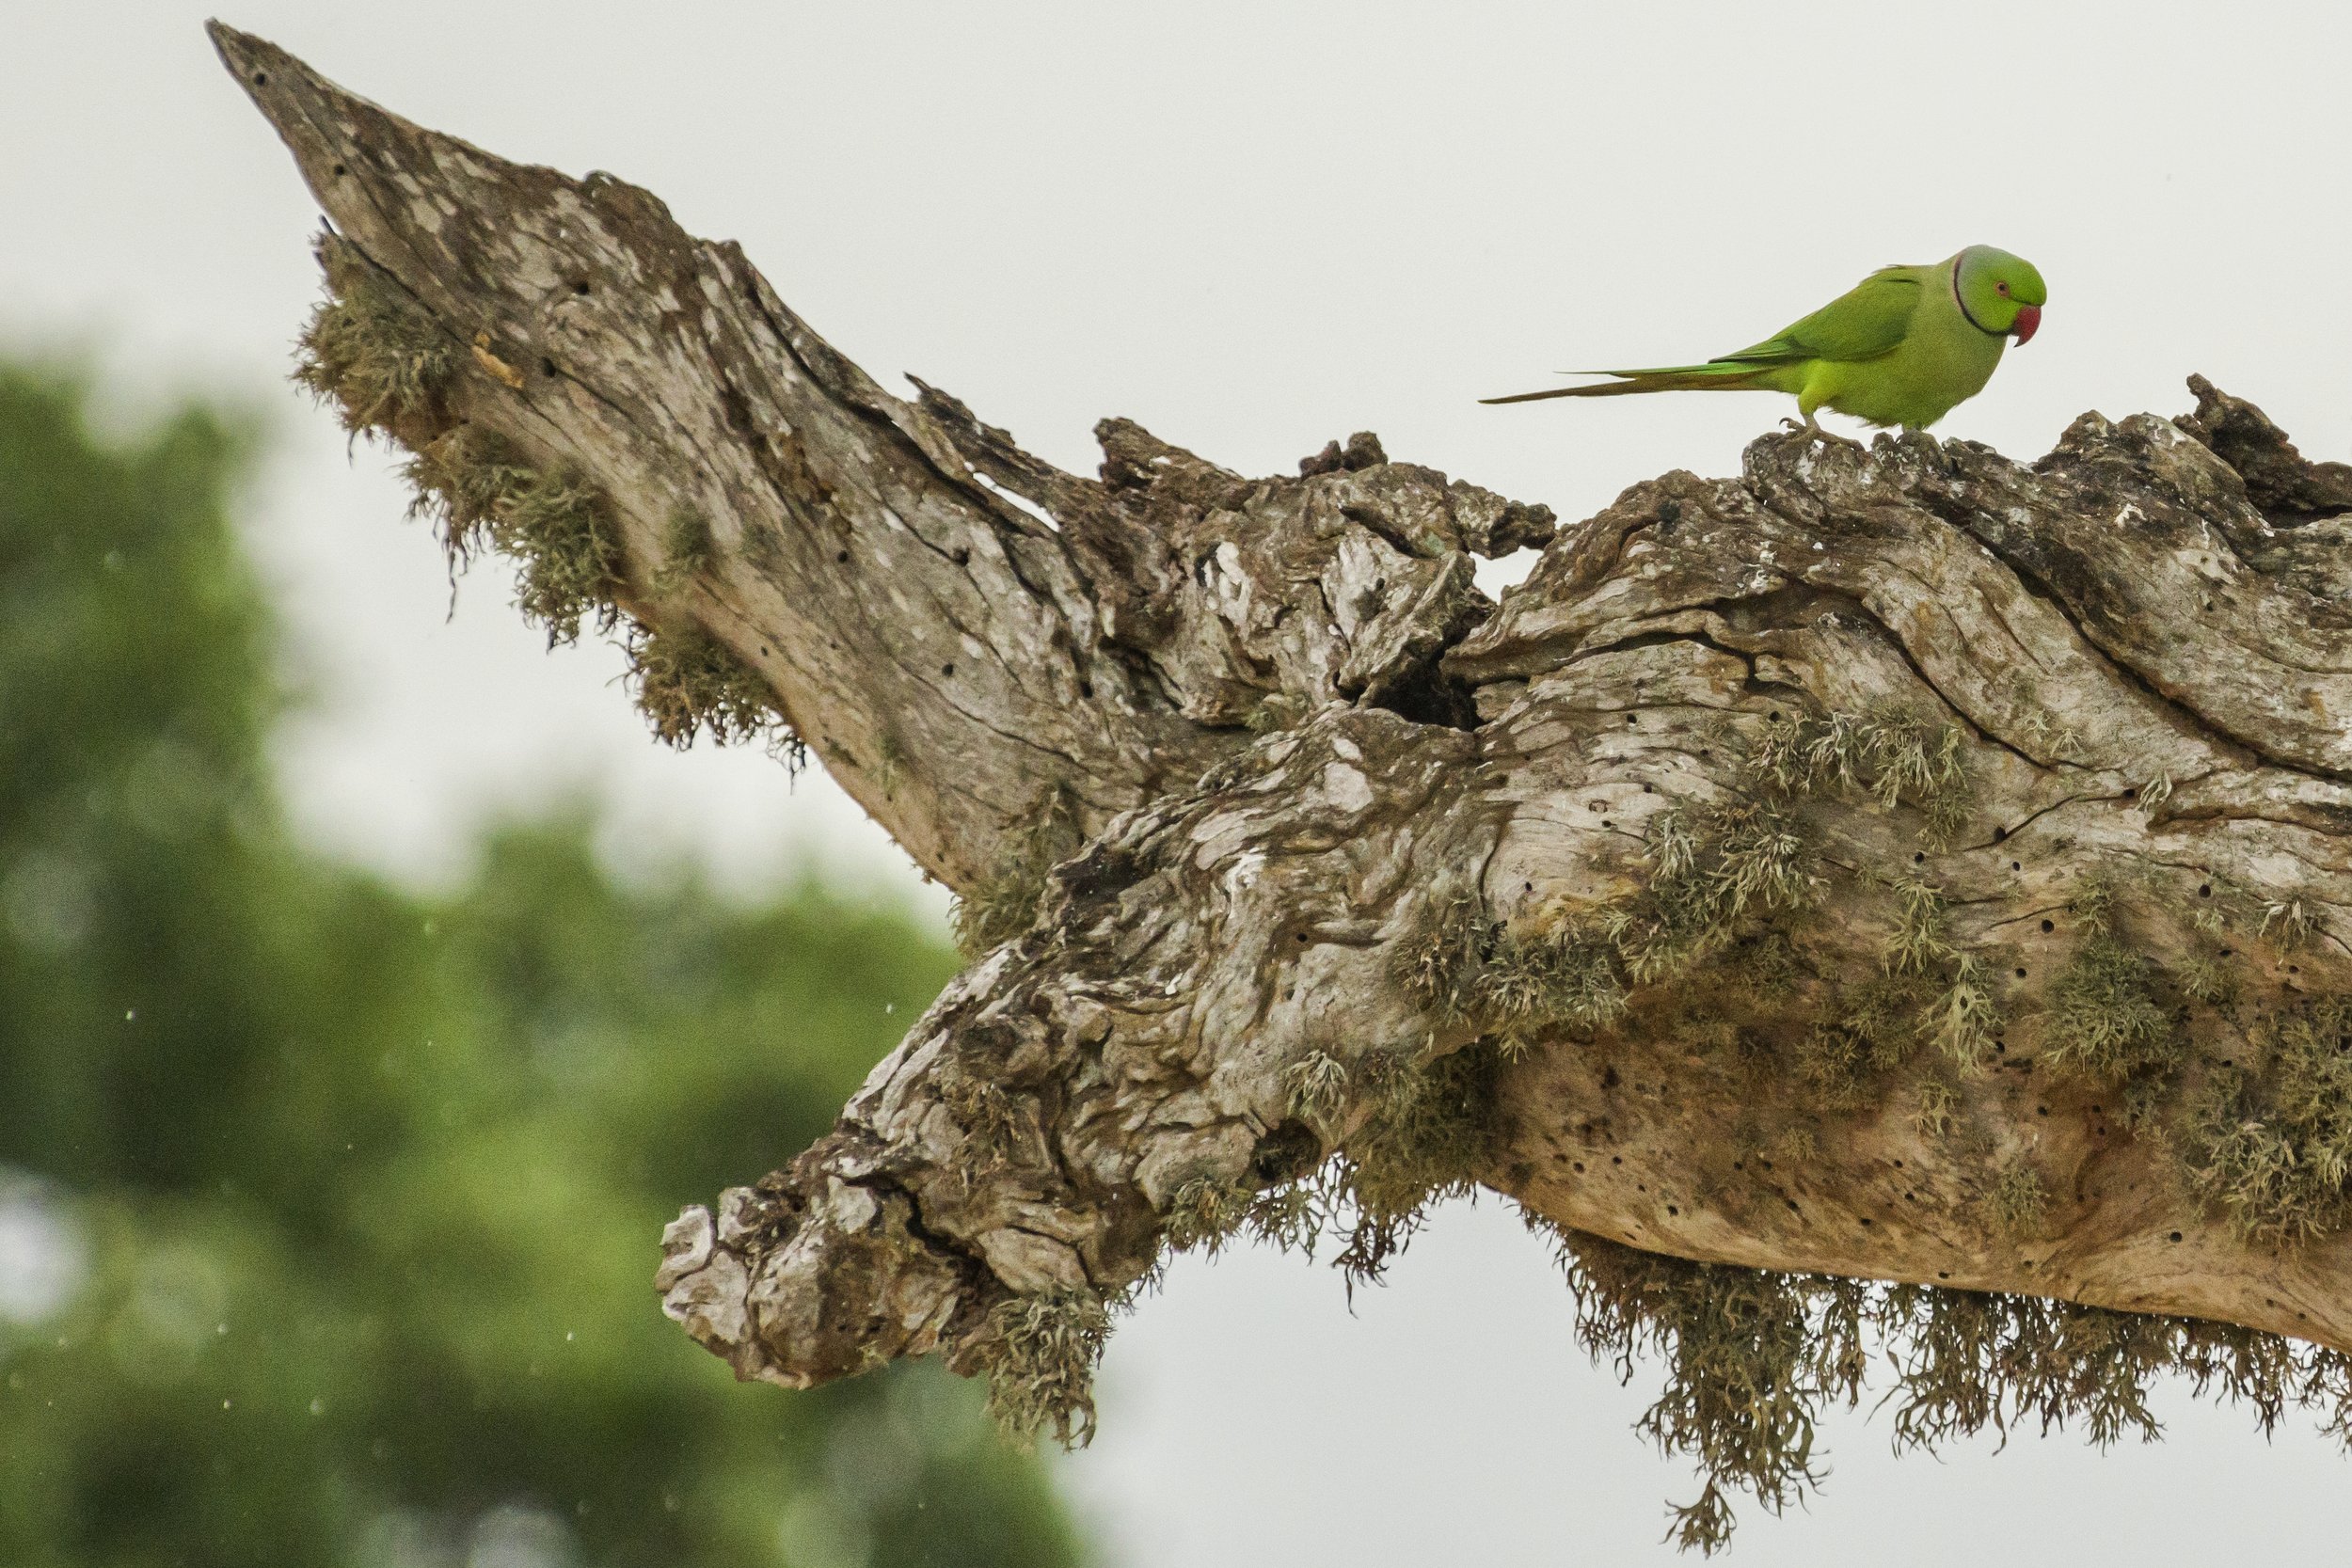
(361, 1182)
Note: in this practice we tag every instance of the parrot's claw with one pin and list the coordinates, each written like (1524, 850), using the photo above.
(1811, 430)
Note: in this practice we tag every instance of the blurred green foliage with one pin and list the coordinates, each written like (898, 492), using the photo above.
(366, 1186)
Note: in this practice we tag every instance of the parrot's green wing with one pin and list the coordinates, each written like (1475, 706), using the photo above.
(1867, 320)
(1862, 323)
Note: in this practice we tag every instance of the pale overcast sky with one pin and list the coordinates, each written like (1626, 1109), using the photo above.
(1253, 227)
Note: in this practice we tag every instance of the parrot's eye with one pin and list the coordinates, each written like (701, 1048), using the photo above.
(2001, 287)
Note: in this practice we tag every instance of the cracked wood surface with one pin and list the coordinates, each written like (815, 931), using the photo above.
(1295, 736)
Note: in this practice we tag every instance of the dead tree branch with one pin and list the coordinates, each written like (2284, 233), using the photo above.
(1898, 865)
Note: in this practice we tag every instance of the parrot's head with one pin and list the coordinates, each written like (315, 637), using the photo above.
(2001, 293)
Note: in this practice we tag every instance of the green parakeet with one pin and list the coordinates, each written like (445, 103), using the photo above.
(1904, 346)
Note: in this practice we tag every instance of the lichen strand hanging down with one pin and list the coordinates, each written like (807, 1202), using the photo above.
(1894, 899)
(372, 354)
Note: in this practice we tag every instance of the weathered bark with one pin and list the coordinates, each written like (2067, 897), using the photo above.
(2048, 765)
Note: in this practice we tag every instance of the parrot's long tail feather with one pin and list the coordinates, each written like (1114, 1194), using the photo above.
(1711, 378)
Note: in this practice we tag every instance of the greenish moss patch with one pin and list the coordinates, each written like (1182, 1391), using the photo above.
(2017, 1203)
(1895, 754)
(368, 349)
(2271, 1149)
(1039, 1356)
(687, 549)
(1430, 1128)
(1006, 902)
(2104, 1022)
(1315, 1087)
(1752, 1358)
(688, 684)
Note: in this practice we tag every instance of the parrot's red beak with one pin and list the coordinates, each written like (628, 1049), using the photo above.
(2029, 323)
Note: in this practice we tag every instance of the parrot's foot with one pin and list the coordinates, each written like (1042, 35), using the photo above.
(1809, 428)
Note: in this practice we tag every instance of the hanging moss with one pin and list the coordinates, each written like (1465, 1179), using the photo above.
(1204, 1214)
(1039, 1357)
(1709, 872)
(687, 683)
(1752, 1358)
(556, 530)
(2289, 923)
(1430, 1130)
(552, 524)
(368, 350)
(2272, 1150)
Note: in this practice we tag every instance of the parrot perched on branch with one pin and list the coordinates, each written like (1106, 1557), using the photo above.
(1904, 346)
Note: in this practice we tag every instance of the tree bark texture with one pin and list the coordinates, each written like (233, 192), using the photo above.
(1899, 863)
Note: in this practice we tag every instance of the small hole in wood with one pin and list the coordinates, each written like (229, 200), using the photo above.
(2176, 1235)
(260, 78)
(960, 556)
(2205, 890)
(841, 555)
(2048, 926)
(547, 366)
(340, 171)
(1578, 1168)
(1999, 833)
(1086, 688)
(580, 286)
(2021, 975)
(1920, 858)
(946, 669)
(2016, 865)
